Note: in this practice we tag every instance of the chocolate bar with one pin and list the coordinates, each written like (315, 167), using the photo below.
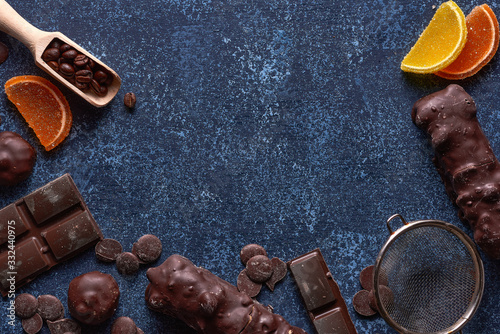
(321, 295)
(42, 229)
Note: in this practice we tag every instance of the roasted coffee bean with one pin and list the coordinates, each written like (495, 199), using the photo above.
(91, 64)
(279, 272)
(63, 326)
(100, 76)
(54, 65)
(148, 248)
(55, 44)
(65, 47)
(50, 307)
(81, 85)
(96, 87)
(129, 100)
(250, 251)
(51, 54)
(361, 303)
(246, 285)
(84, 76)
(4, 52)
(32, 325)
(127, 263)
(26, 305)
(66, 69)
(107, 250)
(81, 60)
(259, 268)
(70, 54)
(123, 325)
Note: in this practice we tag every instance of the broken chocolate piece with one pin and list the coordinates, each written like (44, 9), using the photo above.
(321, 295)
(50, 225)
(279, 272)
(64, 326)
(206, 302)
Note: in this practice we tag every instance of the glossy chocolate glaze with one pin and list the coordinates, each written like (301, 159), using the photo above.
(93, 297)
(206, 302)
(17, 158)
(465, 161)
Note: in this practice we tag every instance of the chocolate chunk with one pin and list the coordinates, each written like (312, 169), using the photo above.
(321, 294)
(50, 307)
(26, 305)
(148, 248)
(124, 325)
(32, 325)
(259, 268)
(17, 159)
(279, 272)
(361, 303)
(107, 250)
(52, 224)
(64, 326)
(4, 53)
(249, 251)
(127, 263)
(93, 297)
(246, 285)
(206, 302)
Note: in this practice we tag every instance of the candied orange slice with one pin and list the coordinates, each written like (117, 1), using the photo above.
(482, 44)
(43, 106)
(440, 43)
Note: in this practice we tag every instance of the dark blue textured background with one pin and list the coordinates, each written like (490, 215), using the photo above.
(281, 122)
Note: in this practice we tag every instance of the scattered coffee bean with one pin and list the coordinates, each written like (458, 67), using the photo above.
(123, 325)
(127, 263)
(259, 268)
(63, 326)
(129, 100)
(4, 52)
(26, 305)
(148, 248)
(32, 325)
(107, 250)
(361, 303)
(50, 307)
(249, 251)
(279, 272)
(93, 297)
(246, 285)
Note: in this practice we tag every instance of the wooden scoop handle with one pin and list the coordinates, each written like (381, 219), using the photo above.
(16, 26)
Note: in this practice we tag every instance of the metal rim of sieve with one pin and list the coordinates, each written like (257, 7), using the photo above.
(473, 252)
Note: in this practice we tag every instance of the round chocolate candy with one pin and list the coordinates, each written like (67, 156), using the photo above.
(148, 248)
(249, 251)
(127, 263)
(26, 305)
(107, 250)
(259, 268)
(17, 158)
(124, 325)
(50, 307)
(361, 303)
(93, 297)
(246, 285)
(63, 326)
(4, 52)
(32, 325)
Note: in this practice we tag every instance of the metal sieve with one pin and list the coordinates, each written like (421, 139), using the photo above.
(434, 274)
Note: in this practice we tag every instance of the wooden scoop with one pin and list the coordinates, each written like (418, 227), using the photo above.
(37, 41)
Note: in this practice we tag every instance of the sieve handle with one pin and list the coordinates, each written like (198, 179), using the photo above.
(397, 215)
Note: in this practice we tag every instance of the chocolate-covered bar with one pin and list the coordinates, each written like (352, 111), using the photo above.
(207, 303)
(42, 229)
(464, 160)
(321, 295)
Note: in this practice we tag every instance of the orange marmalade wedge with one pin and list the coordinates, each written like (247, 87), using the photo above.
(43, 106)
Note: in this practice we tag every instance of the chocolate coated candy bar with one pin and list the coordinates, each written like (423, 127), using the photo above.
(321, 295)
(464, 160)
(207, 303)
(44, 228)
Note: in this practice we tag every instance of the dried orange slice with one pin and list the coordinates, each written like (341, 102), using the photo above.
(482, 44)
(440, 43)
(43, 106)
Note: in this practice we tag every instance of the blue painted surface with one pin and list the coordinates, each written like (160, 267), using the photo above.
(283, 123)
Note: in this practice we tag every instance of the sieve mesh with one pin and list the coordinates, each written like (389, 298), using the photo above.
(434, 277)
